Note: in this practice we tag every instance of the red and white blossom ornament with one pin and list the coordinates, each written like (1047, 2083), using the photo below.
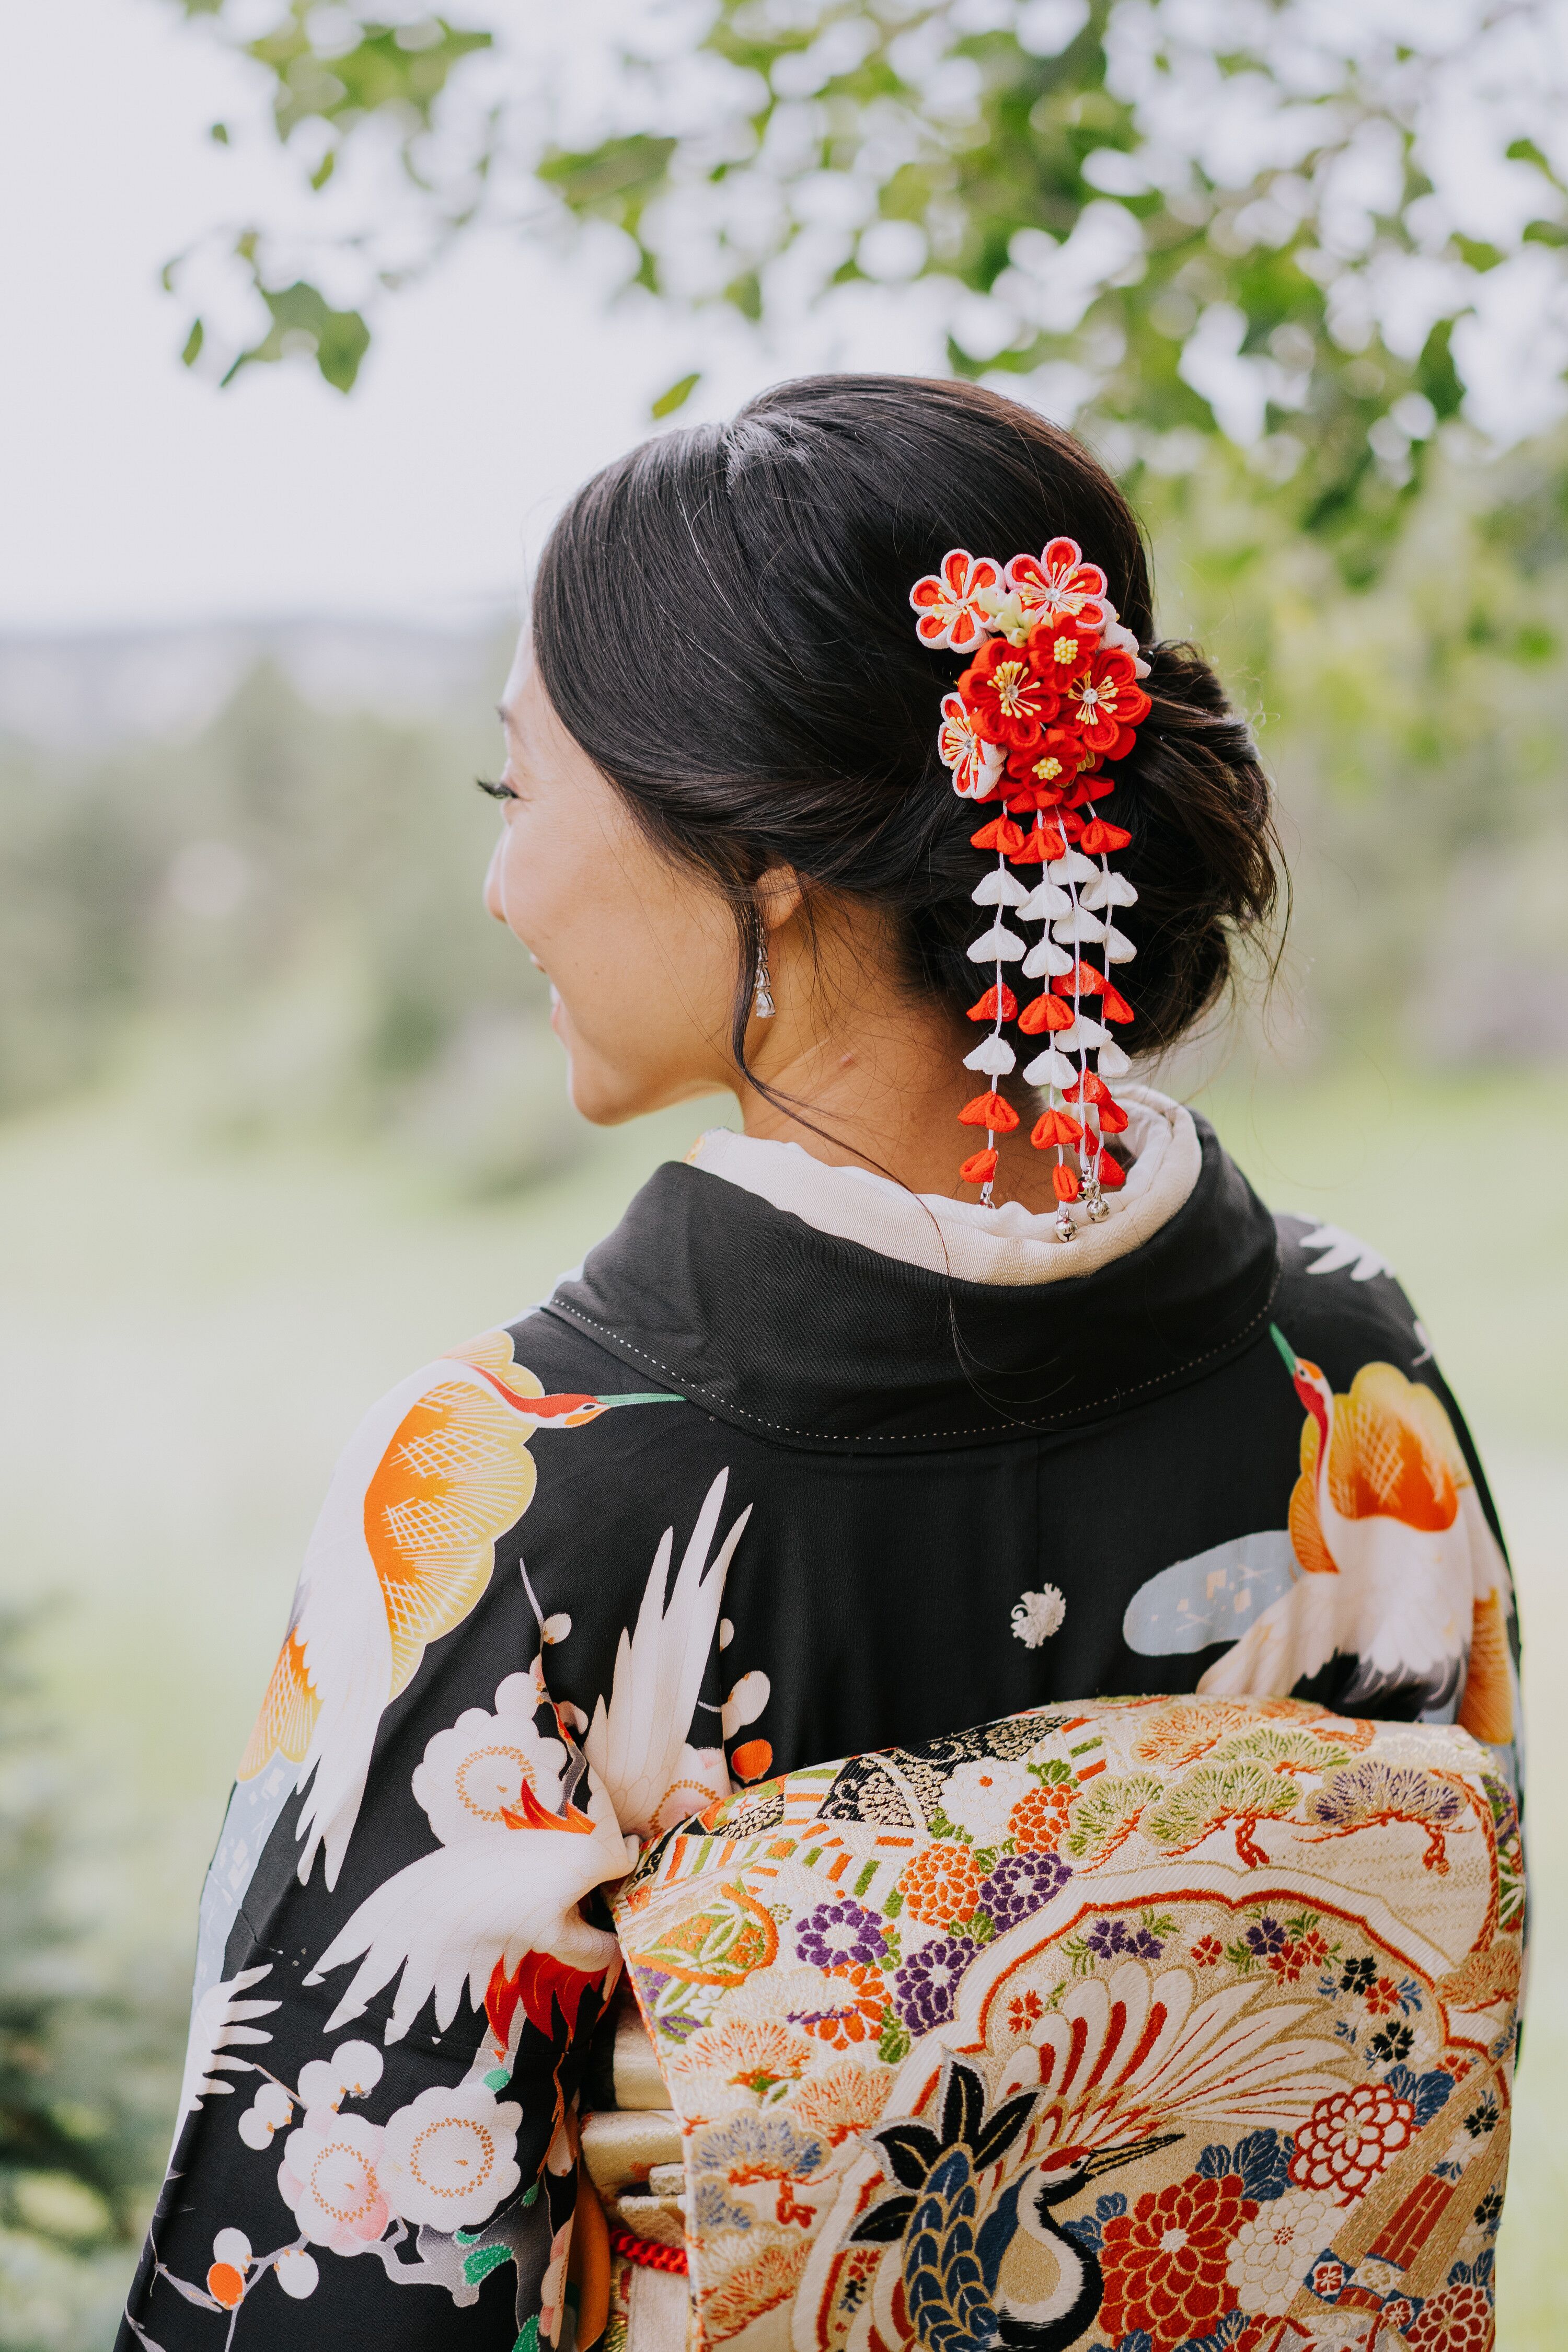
(1051, 693)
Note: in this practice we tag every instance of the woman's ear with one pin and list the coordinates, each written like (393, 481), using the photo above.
(779, 893)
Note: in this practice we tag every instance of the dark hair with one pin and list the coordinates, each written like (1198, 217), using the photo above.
(721, 621)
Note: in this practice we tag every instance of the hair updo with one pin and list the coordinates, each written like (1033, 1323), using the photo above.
(721, 621)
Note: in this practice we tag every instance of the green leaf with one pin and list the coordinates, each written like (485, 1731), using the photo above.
(305, 324)
(193, 340)
(324, 170)
(218, 134)
(679, 393)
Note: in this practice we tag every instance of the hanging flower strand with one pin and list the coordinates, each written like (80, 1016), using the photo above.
(1050, 693)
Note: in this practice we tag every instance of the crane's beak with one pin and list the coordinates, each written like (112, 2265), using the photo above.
(1286, 1349)
(1111, 2159)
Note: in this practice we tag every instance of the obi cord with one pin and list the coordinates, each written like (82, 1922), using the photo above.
(1051, 693)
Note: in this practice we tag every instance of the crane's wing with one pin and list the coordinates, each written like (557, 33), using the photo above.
(402, 1551)
(635, 1744)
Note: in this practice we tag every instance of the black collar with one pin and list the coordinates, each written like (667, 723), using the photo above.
(812, 1341)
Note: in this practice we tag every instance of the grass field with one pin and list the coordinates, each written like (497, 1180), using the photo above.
(186, 1338)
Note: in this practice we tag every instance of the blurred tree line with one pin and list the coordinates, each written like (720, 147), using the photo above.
(275, 927)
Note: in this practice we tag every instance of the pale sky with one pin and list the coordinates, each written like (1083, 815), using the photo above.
(132, 492)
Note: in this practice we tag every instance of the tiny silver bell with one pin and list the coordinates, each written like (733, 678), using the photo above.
(1098, 1210)
(1066, 1229)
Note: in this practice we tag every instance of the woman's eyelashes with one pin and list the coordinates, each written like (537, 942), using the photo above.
(500, 790)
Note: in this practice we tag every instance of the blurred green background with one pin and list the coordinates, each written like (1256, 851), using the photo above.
(281, 1115)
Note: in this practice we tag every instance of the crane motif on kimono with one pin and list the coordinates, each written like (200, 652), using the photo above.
(1397, 1567)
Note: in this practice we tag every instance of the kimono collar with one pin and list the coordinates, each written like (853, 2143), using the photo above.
(813, 1341)
(961, 1237)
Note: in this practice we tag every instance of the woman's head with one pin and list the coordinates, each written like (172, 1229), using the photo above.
(724, 668)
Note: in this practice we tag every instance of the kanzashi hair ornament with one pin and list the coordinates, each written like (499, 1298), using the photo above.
(1050, 693)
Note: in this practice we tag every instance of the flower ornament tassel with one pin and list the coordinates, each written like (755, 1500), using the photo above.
(1050, 693)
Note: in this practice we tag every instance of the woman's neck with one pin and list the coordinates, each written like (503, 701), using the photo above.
(884, 1093)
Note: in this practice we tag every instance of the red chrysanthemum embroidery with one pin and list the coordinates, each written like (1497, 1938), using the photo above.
(1460, 2319)
(976, 765)
(941, 1884)
(1037, 1821)
(1383, 1997)
(1105, 702)
(1208, 1951)
(1165, 2263)
(1025, 2009)
(1058, 584)
(947, 601)
(1010, 700)
(1348, 2139)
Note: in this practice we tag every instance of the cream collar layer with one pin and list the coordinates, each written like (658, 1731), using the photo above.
(1009, 1244)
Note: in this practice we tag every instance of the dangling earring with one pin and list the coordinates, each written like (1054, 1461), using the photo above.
(763, 1001)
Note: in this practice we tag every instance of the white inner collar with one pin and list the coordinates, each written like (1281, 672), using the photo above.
(1009, 1244)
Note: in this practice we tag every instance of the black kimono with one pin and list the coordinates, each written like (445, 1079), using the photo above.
(740, 1497)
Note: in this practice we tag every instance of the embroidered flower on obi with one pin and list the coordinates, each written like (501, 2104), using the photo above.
(979, 1797)
(856, 2013)
(1058, 584)
(1021, 1884)
(1461, 2319)
(447, 2158)
(329, 2177)
(947, 601)
(941, 1884)
(838, 1932)
(1107, 703)
(1165, 2263)
(1039, 1822)
(976, 765)
(1010, 700)
(925, 1987)
(1348, 2139)
(849, 2097)
(1270, 2254)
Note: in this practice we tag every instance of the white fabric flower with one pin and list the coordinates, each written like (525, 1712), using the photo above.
(487, 1772)
(979, 1796)
(296, 2273)
(1269, 2255)
(327, 2177)
(1037, 1615)
(994, 1055)
(448, 2159)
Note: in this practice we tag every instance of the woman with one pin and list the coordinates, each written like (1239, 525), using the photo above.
(826, 1447)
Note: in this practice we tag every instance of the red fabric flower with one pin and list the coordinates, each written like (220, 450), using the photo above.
(1046, 1012)
(1064, 1184)
(976, 765)
(995, 1003)
(1058, 584)
(1165, 2262)
(1061, 652)
(980, 1167)
(1010, 700)
(992, 1111)
(1081, 980)
(1041, 845)
(1112, 1176)
(1098, 836)
(947, 601)
(1039, 776)
(1054, 1127)
(1000, 834)
(1107, 703)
